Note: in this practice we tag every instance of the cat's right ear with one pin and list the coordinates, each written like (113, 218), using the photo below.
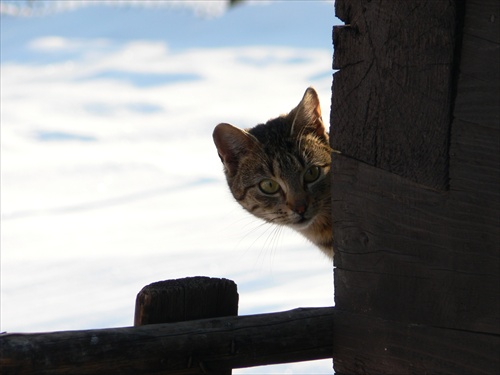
(307, 115)
(231, 143)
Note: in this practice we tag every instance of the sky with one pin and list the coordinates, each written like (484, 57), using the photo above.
(109, 177)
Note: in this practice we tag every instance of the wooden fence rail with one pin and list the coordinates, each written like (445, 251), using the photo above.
(192, 347)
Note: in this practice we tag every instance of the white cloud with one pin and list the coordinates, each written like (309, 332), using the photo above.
(132, 190)
(206, 9)
(57, 43)
(144, 198)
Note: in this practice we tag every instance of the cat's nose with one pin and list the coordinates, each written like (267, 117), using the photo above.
(299, 207)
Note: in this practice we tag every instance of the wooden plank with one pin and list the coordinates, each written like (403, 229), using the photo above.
(475, 168)
(411, 247)
(482, 19)
(478, 101)
(412, 254)
(475, 132)
(194, 347)
(392, 96)
(368, 345)
(408, 252)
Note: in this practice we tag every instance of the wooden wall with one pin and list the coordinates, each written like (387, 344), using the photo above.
(416, 186)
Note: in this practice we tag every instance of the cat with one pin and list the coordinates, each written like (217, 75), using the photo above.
(280, 171)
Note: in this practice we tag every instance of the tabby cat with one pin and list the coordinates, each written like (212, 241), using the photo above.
(280, 171)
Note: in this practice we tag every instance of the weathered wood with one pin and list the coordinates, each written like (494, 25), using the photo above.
(386, 347)
(392, 96)
(417, 241)
(413, 254)
(421, 255)
(194, 347)
(185, 299)
(478, 96)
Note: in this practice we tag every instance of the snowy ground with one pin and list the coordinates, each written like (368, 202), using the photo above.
(109, 176)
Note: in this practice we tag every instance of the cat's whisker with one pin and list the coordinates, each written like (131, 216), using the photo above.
(258, 225)
(276, 234)
(269, 233)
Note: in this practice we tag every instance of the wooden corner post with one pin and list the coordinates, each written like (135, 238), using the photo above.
(415, 120)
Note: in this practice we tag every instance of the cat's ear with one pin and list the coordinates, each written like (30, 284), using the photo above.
(306, 117)
(231, 143)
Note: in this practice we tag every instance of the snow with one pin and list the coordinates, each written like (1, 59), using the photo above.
(109, 176)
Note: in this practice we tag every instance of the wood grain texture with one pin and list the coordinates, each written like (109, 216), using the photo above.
(413, 254)
(392, 96)
(410, 249)
(368, 345)
(186, 299)
(194, 347)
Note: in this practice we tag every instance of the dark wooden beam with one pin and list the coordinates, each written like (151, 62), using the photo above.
(413, 254)
(392, 97)
(194, 347)
(404, 250)
(415, 188)
(368, 345)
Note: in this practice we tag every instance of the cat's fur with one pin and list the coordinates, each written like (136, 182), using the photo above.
(283, 157)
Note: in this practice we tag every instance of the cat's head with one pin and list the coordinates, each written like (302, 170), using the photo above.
(279, 171)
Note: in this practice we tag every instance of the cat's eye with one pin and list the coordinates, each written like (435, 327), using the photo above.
(312, 174)
(269, 186)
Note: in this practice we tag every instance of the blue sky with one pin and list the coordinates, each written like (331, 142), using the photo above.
(305, 24)
(110, 179)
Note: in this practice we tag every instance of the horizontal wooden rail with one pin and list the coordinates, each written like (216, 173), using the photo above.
(192, 347)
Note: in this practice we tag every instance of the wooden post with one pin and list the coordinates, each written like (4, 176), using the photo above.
(415, 120)
(186, 299)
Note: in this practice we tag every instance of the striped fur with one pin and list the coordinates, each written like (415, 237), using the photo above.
(291, 154)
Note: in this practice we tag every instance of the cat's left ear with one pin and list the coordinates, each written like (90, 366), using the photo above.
(306, 116)
(231, 144)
